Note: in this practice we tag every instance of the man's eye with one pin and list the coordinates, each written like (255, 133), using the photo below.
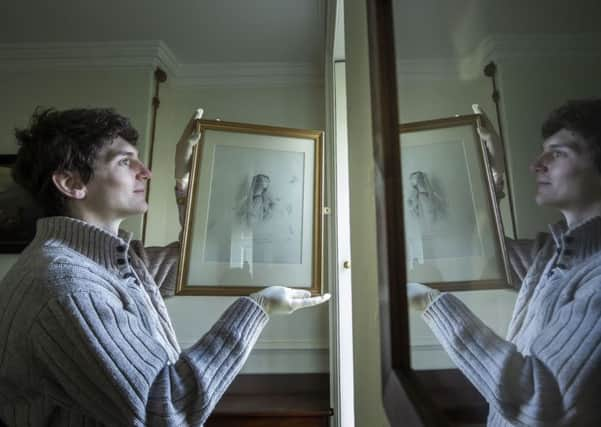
(124, 162)
(557, 154)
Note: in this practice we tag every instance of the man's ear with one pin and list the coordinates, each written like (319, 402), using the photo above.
(70, 184)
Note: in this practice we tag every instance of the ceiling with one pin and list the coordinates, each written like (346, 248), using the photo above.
(286, 31)
(196, 31)
(454, 28)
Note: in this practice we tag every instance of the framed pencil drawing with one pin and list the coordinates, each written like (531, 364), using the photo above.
(18, 212)
(453, 232)
(254, 210)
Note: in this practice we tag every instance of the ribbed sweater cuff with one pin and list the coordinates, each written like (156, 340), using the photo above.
(244, 319)
(472, 345)
(448, 316)
(459, 330)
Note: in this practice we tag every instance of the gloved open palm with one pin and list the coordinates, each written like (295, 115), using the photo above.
(283, 300)
(420, 296)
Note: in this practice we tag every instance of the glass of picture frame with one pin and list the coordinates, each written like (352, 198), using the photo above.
(454, 236)
(254, 210)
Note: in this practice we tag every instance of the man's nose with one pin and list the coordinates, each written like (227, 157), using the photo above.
(144, 172)
(539, 164)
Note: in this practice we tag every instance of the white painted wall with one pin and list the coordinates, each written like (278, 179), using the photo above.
(296, 343)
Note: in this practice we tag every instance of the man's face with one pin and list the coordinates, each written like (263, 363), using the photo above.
(566, 176)
(118, 186)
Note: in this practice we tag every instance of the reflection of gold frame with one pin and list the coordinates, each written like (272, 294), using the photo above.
(190, 238)
(494, 218)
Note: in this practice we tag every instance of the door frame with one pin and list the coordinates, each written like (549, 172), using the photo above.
(338, 224)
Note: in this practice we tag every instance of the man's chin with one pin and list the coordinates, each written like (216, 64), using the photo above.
(545, 202)
(140, 209)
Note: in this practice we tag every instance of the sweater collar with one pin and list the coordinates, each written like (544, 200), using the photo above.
(101, 246)
(582, 240)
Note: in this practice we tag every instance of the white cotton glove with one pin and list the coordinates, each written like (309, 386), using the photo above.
(420, 296)
(282, 300)
(494, 146)
(183, 151)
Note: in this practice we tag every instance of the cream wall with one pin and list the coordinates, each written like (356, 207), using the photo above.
(423, 96)
(296, 343)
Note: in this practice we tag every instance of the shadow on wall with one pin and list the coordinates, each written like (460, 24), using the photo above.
(18, 212)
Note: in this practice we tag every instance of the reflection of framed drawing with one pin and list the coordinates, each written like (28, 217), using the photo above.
(454, 235)
(253, 215)
(18, 213)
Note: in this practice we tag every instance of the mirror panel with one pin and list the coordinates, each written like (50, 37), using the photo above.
(518, 61)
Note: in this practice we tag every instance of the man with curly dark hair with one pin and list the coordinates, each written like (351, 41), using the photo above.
(71, 142)
(85, 337)
(547, 372)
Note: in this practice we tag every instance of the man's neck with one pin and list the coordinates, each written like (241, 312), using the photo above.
(575, 217)
(112, 226)
(104, 220)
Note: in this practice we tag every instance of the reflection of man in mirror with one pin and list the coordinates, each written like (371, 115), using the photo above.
(85, 337)
(547, 371)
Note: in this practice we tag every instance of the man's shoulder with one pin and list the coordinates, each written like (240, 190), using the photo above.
(43, 260)
(590, 269)
(55, 271)
(583, 281)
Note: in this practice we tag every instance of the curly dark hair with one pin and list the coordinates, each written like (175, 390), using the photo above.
(582, 116)
(66, 140)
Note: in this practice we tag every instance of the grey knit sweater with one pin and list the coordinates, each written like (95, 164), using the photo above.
(547, 372)
(85, 338)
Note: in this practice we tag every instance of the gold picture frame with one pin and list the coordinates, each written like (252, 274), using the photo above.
(253, 211)
(453, 230)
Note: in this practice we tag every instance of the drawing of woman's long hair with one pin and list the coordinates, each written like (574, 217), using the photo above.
(423, 201)
(257, 204)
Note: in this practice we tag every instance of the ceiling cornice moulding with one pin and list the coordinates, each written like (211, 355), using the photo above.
(147, 55)
(508, 46)
(118, 55)
(501, 47)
